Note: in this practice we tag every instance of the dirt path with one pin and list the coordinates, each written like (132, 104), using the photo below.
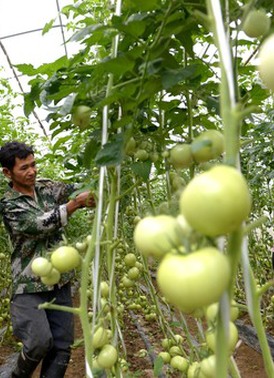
(249, 361)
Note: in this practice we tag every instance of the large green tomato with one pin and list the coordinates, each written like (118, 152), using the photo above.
(265, 59)
(208, 367)
(181, 156)
(217, 201)
(100, 338)
(195, 280)
(208, 145)
(180, 363)
(52, 278)
(41, 266)
(257, 23)
(212, 312)
(107, 356)
(157, 235)
(81, 116)
(65, 258)
(211, 336)
(193, 370)
(165, 357)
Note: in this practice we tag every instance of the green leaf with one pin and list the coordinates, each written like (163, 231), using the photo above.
(91, 149)
(142, 169)
(158, 366)
(48, 26)
(143, 5)
(111, 153)
(171, 77)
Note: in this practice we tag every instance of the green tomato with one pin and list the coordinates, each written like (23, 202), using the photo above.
(195, 280)
(130, 147)
(175, 351)
(154, 156)
(52, 278)
(193, 370)
(104, 289)
(208, 367)
(257, 23)
(208, 145)
(141, 155)
(81, 117)
(130, 259)
(265, 59)
(216, 202)
(211, 336)
(41, 266)
(81, 246)
(178, 339)
(185, 227)
(133, 273)
(157, 235)
(180, 363)
(166, 343)
(107, 356)
(127, 282)
(212, 311)
(65, 258)
(100, 338)
(165, 357)
(180, 156)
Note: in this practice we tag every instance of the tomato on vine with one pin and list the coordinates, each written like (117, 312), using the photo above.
(41, 266)
(65, 258)
(157, 235)
(208, 145)
(257, 23)
(217, 201)
(192, 281)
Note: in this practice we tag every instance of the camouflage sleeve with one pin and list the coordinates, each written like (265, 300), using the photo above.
(59, 191)
(28, 219)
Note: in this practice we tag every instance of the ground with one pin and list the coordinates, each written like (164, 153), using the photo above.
(139, 335)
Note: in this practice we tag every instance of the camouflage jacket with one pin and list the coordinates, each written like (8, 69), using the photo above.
(35, 226)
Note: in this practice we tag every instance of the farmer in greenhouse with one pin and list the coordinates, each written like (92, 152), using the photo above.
(34, 214)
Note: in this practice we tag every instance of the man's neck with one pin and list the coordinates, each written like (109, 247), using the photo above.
(28, 191)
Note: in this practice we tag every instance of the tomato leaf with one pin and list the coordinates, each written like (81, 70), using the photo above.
(158, 366)
(142, 169)
(111, 153)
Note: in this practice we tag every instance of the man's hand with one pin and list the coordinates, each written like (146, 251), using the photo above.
(84, 199)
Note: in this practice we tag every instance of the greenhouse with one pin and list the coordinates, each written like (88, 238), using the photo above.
(137, 160)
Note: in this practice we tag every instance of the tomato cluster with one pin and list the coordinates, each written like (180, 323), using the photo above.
(206, 146)
(62, 260)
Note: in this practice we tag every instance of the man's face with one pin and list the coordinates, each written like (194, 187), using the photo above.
(23, 174)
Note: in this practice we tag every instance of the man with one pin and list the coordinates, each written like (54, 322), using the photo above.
(34, 213)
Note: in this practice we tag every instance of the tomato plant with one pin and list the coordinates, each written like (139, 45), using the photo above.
(161, 92)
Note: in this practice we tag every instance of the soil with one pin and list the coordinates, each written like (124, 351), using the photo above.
(140, 334)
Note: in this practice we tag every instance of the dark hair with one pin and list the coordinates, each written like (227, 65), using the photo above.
(12, 150)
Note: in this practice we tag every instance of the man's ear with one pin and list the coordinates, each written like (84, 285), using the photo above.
(6, 172)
